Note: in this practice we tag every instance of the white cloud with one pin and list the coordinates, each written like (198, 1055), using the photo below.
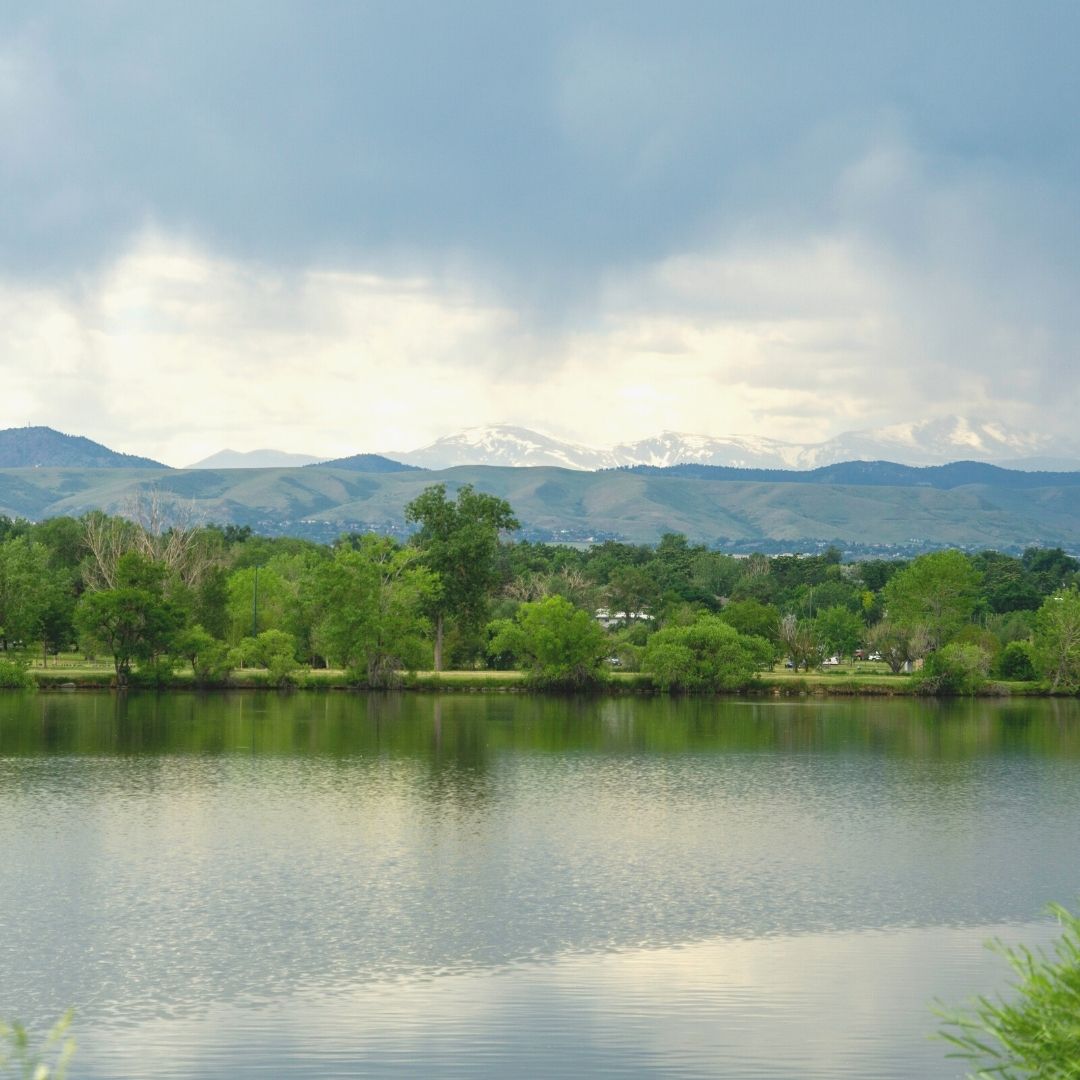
(183, 353)
(175, 351)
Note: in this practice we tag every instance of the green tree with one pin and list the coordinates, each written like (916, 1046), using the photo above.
(875, 573)
(632, 590)
(62, 537)
(369, 604)
(134, 621)
(752, 617)
(459, 540)
(558, 644)
(1017, 661)
(841, 631)
(259, 599)
(973, 634)
(211, 603)
(24, 577)
(1007, 585)
(937, 592)
(800, 639)
(276, 651)
(36, 597)
(956, 669)
(1057, 640)
(207, 655)
(1052, 568)
(898, 643)
(706, 655)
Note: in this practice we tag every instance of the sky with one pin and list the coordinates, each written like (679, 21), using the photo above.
(350, 226)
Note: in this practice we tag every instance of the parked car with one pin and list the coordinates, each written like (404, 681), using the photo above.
(831, 661)
(874, 656)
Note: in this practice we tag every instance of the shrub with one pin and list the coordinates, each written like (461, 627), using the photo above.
(627, 655)
(13, 675)
(955, 670)
(154, 675)
(208, 657)
(274, 650)
(277, 653)
(559, 645)
(708, 655)
(1038, 1032)
(1017, 662)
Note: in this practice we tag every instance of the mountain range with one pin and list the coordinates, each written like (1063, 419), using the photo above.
(862, 506)
(923, 442)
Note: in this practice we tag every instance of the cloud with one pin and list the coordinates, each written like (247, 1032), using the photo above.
(363, 226)
(186, 350)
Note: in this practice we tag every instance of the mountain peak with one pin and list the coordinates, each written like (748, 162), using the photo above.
(254, 459)
(44, 447)
(505, 444)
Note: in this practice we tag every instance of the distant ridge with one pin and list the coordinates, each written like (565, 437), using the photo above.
(254, 459)
(42, 447)
(875, 474)
(370, 463)
(874, 508)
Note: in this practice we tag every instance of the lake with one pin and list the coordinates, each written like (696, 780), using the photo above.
(325, 885)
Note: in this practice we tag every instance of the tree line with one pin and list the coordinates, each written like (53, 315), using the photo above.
(155, 596)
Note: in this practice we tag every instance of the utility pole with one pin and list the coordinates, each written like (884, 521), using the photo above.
(255, 605)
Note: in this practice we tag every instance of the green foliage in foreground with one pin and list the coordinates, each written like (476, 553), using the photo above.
(1037, 1034)
(18, 1059)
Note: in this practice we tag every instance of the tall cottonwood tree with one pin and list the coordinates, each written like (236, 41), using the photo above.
(459, 540)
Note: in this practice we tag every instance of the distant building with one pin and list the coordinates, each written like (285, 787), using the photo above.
(607, 619)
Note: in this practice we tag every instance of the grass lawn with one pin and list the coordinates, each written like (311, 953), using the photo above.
(863, 677)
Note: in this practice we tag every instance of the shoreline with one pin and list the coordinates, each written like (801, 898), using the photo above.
(515, 682)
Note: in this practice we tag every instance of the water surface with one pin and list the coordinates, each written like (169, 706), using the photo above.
(469, 886)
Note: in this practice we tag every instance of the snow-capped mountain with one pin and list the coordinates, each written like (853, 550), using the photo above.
(931, 442)
(739, 451)
(921, 442)
(504, 445)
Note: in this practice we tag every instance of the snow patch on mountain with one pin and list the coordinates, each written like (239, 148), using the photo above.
(922, 442)
(504, 445)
